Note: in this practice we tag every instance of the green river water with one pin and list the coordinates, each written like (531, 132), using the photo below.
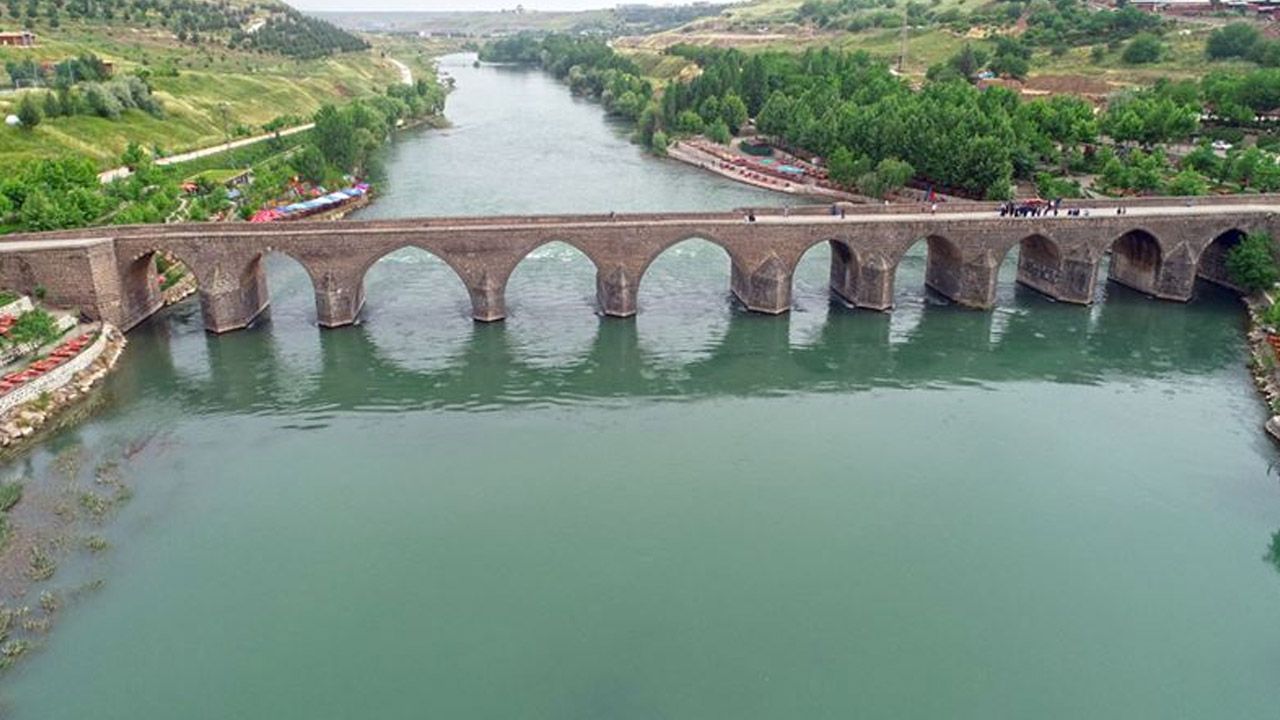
(1045, 511)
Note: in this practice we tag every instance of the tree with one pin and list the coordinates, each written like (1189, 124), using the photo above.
(310, 164)
(969, 60)
(334, 135)
(1142, 49)
(1187, 182)
(1251, 264)
(718, 132)
(844, 168)
(733, 110)
(1234, 40)
(660, 142)
(1012, 66)
(29, 112)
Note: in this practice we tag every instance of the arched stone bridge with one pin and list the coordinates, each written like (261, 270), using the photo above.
(1159, 246)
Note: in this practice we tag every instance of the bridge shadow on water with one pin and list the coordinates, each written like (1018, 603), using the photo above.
(285, 367)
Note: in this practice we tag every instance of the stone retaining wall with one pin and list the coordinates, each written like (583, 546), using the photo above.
(55, 378)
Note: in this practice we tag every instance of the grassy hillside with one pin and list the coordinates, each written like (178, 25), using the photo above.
(939, 29)
(211, 85)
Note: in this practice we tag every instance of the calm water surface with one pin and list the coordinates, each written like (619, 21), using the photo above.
(1044, 511)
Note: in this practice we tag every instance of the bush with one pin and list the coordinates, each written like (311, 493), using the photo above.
(10, 494)
(1251, 264)
(718, 132)
(28, 112)
(1273, 552)
(35, 326)
(660, 142)
(1142, 49)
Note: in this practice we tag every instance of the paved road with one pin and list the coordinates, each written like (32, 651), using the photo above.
(406, 77)
(123, 172)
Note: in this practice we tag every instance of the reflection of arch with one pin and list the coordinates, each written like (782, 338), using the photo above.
(1136, 259)
(1212, 264)
(562, 279)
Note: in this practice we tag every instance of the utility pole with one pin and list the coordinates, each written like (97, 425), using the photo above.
(905, 39)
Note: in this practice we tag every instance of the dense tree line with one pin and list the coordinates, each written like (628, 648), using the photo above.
(292, 33)
(589, 65)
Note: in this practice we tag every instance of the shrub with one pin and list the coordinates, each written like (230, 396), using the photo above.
(1273, 552)
(10, 494)
(1251, 265)
(1142, 49)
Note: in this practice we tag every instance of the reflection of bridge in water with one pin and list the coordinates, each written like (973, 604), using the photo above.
(1127, 336)
(1159, 247)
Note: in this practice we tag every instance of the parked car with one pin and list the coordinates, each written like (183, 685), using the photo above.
(1222, 145)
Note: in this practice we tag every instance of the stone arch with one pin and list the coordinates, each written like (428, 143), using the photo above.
(140, 287)
(331, 283)
(577, 250)
(668, 246)
(1137, 259)
(1212, 263)
(253, 276)
(1040, 264)
(944, 265)
(678, 240)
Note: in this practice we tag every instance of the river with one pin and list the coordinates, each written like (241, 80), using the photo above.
(1043, 511)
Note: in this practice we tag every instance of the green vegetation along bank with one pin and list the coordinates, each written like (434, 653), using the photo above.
(953, 134)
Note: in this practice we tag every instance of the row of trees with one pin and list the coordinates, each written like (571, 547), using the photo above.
(101, 99)
(589, 65)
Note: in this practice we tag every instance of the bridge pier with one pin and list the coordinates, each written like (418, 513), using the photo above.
(765, 290)
(488, 302)
(866, 284)
(970, 282)
(616, 292)
(232, 299)
(1177, 278)
(338, 303)
(1069, 279)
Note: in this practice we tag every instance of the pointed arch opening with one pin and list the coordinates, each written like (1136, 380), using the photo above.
(926, 274)
(417, 311)
(684, 301)
(551, 298)
(1212, 265)
(1136, 260)
(286, 283)
(812, 285)
(158, 278)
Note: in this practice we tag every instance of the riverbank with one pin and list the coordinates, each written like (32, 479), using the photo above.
(690, 153)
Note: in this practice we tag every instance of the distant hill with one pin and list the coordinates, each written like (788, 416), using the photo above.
(259, 25)
(634, 18)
